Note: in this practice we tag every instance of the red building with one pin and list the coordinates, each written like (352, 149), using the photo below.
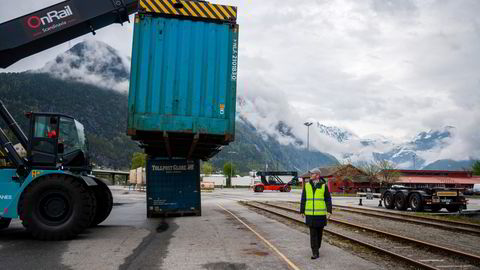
(344, 179)
(427, 178)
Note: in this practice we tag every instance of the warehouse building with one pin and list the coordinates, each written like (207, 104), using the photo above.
(447, 179)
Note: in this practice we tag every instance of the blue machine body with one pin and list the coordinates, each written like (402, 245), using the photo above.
(12, 187)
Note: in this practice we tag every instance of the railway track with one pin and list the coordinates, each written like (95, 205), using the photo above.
(457, 226)
(451, 225)
(417, 253)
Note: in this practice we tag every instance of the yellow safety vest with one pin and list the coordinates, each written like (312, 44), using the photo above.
(315, 205)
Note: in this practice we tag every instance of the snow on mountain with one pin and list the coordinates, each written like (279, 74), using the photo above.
(416, 153)
(92, 62)
(344, 144)
(411, 154)
(341, 135)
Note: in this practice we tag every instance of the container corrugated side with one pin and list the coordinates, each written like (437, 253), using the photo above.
(183, 77)
(173, 187)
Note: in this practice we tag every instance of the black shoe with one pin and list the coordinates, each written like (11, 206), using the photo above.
(314, 257)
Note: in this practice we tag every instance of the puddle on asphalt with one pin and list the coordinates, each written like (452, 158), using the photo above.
(162, 227)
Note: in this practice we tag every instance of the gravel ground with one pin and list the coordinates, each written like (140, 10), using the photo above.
(455, 240)
(393, 245)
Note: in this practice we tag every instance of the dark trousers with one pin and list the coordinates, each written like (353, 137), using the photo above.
(316, 234)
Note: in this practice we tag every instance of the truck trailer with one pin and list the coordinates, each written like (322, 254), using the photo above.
(418, 199)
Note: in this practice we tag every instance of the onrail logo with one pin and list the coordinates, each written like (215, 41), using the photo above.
(50, 17)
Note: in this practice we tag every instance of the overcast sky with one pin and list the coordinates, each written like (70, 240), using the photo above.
(374, 67)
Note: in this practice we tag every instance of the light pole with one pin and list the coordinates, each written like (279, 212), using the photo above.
(414, 161)
(308, 124)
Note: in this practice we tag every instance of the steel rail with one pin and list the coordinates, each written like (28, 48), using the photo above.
(359, 242)
(411, 219)
(475, 259)
(452, 222)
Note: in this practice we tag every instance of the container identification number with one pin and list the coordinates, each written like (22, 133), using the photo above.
(234, 60)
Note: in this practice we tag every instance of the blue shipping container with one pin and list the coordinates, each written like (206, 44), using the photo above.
(173, 187)
(183, 85)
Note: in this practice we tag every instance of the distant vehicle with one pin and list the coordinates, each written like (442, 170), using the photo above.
(272, 181)
(476, 189)
(435, 199)
(468, 191)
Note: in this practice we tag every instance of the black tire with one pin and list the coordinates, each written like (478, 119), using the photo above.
(416, 202)
(4, 223)
(453, 208)
(287, 188)
(56, 207)
(400, 201)
(435, 208)
(104, 199)
(258, 189)
(388, 200)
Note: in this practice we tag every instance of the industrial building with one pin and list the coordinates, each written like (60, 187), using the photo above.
(428, 178)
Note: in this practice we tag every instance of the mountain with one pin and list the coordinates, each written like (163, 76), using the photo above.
(451, 165)
(92, 62)
(252, 150)
(408, 155)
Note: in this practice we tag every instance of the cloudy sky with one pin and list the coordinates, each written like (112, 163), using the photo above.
(390, 67)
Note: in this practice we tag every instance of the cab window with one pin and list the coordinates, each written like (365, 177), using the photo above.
(68, 135)
(45, 127)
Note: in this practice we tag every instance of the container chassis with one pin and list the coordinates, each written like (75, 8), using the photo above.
(420, 199)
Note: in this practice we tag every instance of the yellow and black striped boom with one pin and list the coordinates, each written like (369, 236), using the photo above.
(198, 9)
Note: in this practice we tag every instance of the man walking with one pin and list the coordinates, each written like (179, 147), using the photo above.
(316, 205)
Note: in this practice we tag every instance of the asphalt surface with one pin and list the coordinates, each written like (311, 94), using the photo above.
(216, 240)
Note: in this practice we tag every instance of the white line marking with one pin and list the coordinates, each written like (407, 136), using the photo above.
(290, 263)
(431, 260)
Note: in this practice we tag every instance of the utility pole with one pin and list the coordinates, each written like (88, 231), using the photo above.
(308, 124)
(414, 161)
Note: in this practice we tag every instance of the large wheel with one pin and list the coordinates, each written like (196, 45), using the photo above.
(453, 208)
(104, 199)
(4, 223)
(287, 188)
(416, 202)
(388, 200)
(400, 201)
(57, 207)
(259, 189)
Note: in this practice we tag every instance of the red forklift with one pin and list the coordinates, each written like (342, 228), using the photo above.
(272, 181)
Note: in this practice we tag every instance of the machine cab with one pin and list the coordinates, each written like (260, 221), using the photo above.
(57, 140)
